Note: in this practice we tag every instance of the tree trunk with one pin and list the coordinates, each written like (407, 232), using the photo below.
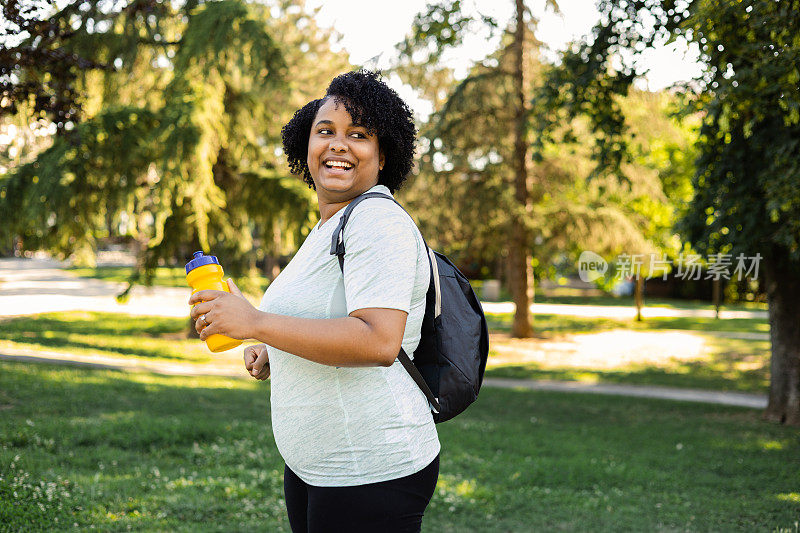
(521, 270)
(637, 296)
(272, 265)
(715, 295)
(782, 279)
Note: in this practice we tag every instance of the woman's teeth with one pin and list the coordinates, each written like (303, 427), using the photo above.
(338, 164)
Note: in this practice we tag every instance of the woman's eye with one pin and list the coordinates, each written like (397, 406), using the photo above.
(361, 134)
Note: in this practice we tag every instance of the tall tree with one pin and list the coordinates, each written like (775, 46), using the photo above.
(443, 26)
(747, 181)
(472, 156)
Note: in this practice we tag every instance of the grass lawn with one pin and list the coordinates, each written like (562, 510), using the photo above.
(576, 297)
(730, 365)
(628, 301)
(725, 364)
(122, 451)
(82, 332)
(164, 276)
(547, 325)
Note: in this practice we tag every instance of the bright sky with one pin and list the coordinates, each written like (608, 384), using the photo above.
(371, 28)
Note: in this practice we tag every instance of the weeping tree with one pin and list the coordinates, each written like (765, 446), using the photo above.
(172, 134)
(747, 180)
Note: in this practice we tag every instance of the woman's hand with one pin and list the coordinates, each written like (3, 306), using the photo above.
(256, 361)
(226, 313)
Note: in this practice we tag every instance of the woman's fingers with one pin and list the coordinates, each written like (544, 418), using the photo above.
(205, 296)
(250, 354)
(260, 369)
(200, 309)
(264, 374)
(233, 288)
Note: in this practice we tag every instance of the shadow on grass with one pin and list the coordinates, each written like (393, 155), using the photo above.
(96, 323)
(116, 334)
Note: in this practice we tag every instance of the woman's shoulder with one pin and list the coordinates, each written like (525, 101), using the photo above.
(376, 210)
(378, 219)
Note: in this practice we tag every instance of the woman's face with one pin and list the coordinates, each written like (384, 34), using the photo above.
(334, 137)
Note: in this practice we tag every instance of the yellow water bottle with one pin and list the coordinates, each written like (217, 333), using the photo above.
(204, 272)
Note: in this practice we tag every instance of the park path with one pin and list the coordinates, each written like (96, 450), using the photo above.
(29, 286)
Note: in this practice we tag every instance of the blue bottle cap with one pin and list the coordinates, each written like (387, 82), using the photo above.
(198, 260)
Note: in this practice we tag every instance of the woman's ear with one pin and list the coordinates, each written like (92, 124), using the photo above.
(381, 160)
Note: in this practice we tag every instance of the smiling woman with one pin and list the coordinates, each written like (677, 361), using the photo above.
(356, 433)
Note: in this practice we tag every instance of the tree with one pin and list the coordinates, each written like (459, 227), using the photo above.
(747, 182)
(176, 144)
(748, 173)
(470, 163)
(442, 27)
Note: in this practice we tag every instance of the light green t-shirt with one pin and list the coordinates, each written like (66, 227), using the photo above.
(351, 426)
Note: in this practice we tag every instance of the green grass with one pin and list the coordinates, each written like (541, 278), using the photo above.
(121, 451)
(547, 325)
(154, 338)
(563, 295)
(735, 365)
(730, 364)
(176, 277)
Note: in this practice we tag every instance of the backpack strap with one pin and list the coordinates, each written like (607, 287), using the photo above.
(337, 248)
(337, 239)
(412, 369)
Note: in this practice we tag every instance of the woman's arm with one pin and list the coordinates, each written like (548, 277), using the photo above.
(368, 337)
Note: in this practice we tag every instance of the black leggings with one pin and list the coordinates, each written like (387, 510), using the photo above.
(389, 506)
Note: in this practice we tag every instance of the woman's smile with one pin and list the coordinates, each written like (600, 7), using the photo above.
(337, 166)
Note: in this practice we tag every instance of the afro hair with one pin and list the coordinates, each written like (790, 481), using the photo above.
(374, 105)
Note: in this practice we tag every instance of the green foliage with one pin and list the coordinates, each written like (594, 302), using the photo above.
(178, 146)
(748, 175)
(468, 151)
(83, 182)
(592, 74)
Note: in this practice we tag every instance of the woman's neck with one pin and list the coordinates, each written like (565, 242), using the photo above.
(328, 208)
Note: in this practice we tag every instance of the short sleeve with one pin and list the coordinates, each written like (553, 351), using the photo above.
(380, 260)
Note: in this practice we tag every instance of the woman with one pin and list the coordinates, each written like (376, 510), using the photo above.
(355, 431)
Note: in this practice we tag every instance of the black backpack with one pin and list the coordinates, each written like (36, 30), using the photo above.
(451, 357)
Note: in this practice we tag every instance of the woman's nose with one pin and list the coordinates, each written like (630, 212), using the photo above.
(337, 145)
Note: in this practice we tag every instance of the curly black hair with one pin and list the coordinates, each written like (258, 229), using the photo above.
(374, 105)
